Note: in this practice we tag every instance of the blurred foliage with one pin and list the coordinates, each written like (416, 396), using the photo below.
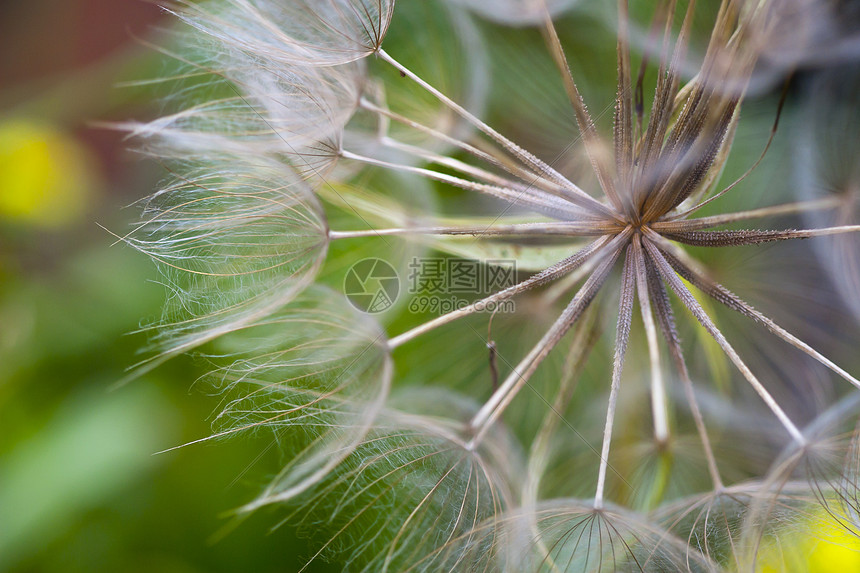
(82, 487)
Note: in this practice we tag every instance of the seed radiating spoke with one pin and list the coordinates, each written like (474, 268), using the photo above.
(622, 335)
(520, 375)
(243, 225)
(696, 309)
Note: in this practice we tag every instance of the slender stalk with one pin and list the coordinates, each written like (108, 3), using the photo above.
(666, 318)
(696, 309)
(623, 130)
(668, 79)
(477, 172)
(753, 237)
(585, 336)
(533, 198)
(658, 388)
(562, 229)
(590, 137)
(622, 335)
(533, 179)
(521, 374)
(524, 156)
(673, 226)
(557, 270)
(686, 267)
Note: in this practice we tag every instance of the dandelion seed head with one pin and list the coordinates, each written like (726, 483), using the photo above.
(443, 490)
(318, 373)
(570, 535)
(316, 32)
(235, 239)
(231, 100)
(644, 464)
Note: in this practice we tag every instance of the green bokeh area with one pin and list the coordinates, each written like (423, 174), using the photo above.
(83, 487)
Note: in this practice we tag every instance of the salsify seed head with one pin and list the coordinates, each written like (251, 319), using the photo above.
(316, 32)
(578, 433)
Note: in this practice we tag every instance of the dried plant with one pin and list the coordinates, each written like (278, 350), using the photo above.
(296, 116)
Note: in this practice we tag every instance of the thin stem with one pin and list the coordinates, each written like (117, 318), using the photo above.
(441, 136)
(524, 156)
(668, 79)
(696, 309)
(673, 226)
(533, 179)
(660, 15)
(658, 388)
(583, 118)
(457, 165)
(521, 374)
(585, 337)
(532, 198)
(622, 335)
(561, 228)
(753, 237)
(623, 130)
(686, 267)
(557, 270)
(666, 318)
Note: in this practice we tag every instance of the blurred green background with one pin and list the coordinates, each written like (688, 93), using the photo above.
(81, 485)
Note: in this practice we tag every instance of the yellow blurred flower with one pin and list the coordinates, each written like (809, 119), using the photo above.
(824, 547)
(47, 177)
